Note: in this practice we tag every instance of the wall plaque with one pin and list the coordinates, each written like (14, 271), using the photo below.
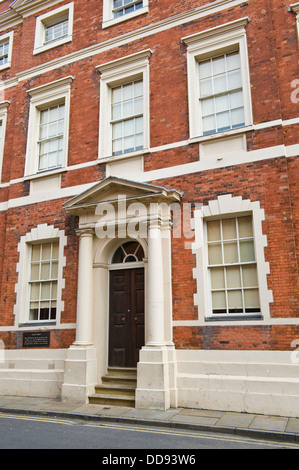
(36, 339)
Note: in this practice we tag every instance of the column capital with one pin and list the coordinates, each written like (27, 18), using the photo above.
(85, 232)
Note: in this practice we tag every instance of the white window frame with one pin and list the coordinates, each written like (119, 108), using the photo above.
(41, 234)
(295, 8)
(51, 18)
(227, 205)
(208, 44)
(3, 38)
(114, 73)
(43, 97)
(3, 119)
(109, 20)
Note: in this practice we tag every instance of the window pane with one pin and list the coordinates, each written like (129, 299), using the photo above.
(217, 278)
(35, 272)
(128, 109)
(46, 251)
(206, 87)
(218, 302)
(215, 254)
(230, 252)
(235, 303)
(205, 69)
(223, 121)
(116, 111)
(245, 227)
(219, 65)
(249, 273)
(116, 95)
(129, 127)
(247, 251)
(236, 99)
(33, 313)
(221, 103)
(209, 125)
(229, 229)
(128, 91)
(233, 277)
(208, 107)
(214, 230)
(45, 271)
(234, 80)
(34, 294)
(251, 297)
(45, 291)
(138, 106)
(117, 130)
(220, 84)
(54, 291)
(233, 61)
(238, 117)
(35, 252)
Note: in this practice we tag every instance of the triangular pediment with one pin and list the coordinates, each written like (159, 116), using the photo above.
(112, 188)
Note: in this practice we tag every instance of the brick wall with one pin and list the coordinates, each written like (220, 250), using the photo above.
(273, 63)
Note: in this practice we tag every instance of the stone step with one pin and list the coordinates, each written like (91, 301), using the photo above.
(116, 400)
(117, 388)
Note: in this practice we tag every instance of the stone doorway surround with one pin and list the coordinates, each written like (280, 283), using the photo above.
(107, 213)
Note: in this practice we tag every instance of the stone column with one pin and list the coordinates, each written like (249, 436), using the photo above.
(85, 289)
(155, 286)
(80, 364)
(156, 381)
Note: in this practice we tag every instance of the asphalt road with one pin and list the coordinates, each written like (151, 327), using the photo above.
(119, 440)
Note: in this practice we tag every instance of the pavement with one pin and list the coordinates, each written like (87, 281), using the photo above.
(243, 424)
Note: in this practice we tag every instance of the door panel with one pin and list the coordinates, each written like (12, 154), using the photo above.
(126, 317)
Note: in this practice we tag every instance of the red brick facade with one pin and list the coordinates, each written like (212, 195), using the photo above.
(271, 177)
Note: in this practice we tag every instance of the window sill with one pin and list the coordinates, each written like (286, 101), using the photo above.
(123, 156)
(46, 47)
(128, 16)
(35, 323)
(219, 135)
(234, 318)
(5, 66)
(44, 174)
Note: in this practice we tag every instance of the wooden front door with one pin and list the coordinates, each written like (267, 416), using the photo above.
(126, 317)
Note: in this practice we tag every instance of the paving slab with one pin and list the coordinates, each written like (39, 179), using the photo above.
(202, 413)
(139, 413)
(235, 420)
(293, 425)
(269, 423)
(196, 420)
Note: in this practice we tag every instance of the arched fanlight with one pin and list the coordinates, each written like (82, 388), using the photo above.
(129, 252)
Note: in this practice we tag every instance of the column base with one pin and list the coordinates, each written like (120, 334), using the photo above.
(156, 378)
(79, 374)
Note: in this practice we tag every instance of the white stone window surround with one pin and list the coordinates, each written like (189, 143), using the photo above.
(207, 44)
(3, 118)
(42, 233)
(121, 71)
(4, 38)
(109, 20)
(234, 206)
(42, 97)
(53, 17)
(295, 8)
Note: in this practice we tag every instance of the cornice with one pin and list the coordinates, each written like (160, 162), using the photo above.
(295, 8)
(222, 29)
(19, 9)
